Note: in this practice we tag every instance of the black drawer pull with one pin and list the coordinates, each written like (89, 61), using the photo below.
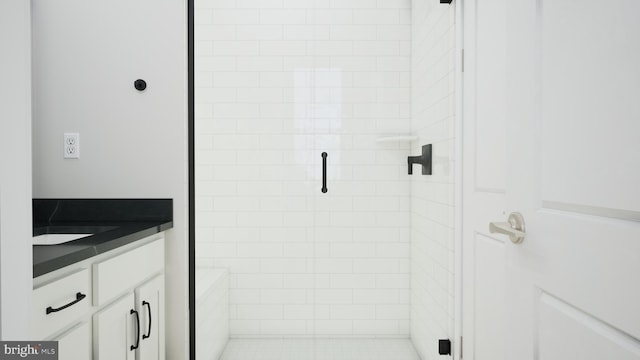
(138, 333)
(149, 312)
(79, 297)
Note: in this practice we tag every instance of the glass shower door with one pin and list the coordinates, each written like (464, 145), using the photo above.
(306, 271)
(360, 92)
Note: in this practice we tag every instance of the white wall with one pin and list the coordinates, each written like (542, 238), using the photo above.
(86, 58)
(15, 172)
(279, 82)
(433, 197)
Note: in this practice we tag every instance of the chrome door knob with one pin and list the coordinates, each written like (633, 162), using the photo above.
(514, 227)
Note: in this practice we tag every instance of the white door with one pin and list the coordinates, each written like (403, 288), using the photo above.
(574, 173)
(484, 179)
(570, 290)
(115, 332)
(150, 305)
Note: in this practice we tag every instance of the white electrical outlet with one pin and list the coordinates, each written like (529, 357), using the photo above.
(71, 145)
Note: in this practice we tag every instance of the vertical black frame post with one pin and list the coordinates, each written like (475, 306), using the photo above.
(191, 170)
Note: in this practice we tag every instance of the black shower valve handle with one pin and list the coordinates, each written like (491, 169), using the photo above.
(425, 160)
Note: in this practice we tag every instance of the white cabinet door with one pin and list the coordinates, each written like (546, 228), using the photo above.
(115, 331)
(75, 344)
(150, 304)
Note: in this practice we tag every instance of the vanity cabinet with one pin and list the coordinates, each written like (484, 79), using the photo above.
(108, 307)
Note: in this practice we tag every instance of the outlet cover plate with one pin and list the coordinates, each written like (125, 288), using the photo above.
(71, 145)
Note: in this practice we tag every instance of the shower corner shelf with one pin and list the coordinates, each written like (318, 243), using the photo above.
(396, 138)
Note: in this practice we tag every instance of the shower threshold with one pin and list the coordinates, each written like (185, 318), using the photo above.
(320, 349)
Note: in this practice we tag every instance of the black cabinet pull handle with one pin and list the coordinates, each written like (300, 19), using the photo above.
(79, 297)
(149, 312)
(138, 333)
(324, 172)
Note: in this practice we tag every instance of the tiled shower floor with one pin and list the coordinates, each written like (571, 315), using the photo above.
(319, 349)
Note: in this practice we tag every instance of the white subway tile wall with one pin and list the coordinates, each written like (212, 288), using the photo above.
(432, 198)
(278, 83)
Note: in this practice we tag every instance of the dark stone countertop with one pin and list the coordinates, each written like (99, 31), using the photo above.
(113, 223)
(47, 258)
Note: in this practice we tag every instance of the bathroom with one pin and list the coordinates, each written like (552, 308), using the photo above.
(321, 179)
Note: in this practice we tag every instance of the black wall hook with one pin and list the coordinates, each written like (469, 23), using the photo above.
(140, 84)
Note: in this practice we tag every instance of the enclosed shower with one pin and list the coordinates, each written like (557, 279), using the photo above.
(313, 241)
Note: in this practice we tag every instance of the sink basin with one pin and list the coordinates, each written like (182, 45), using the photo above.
(71, 229)
(56, 239)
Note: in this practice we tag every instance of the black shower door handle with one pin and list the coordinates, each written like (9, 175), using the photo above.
(324, 172)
